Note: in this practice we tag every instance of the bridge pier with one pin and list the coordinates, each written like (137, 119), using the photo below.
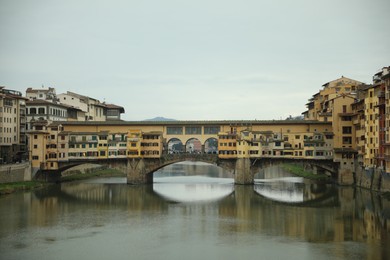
(242, 172)
(137, 172)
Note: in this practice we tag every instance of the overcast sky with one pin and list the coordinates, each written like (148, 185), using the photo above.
(193, 60)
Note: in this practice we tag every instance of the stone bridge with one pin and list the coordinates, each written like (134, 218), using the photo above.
(140, 170)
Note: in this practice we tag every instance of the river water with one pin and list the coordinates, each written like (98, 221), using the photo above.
(194, 211)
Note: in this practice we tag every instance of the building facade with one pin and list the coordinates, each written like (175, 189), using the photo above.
(12, 126)
(94, 109)
(88, 141)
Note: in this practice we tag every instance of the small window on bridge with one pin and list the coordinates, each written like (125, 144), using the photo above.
(193, 130)
(212, 130)
(172, 130)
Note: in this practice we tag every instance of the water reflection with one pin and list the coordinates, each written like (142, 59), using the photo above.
(278, 185)
(282, 191)
(193, 182)
(102, 218)
(193, 188)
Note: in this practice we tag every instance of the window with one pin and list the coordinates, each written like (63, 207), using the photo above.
(211, 130)
(344, 109)
(41, 110)
(346, 118)
(33, 111)
(193, 130)
(347, 140)
(173, 130)
(347, 130)
(35, 157)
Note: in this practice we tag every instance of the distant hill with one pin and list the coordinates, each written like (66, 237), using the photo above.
(160, 118)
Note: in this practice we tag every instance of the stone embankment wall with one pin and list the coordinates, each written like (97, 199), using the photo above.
(15, 172)
(373, 178)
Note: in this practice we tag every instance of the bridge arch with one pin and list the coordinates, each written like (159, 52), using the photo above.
(193, 145)
(175, 145)
(211, 145)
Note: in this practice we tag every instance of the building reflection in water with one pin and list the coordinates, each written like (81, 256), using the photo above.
(273, 207)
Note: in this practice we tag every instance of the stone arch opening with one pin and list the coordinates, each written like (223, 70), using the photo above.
(193, 146)
(211, 146)
(175, 146)
(88, 168)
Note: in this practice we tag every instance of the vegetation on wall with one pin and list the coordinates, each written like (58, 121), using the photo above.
(299, 170)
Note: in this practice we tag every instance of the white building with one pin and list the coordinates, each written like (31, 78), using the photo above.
(42, 93)
(93, 108)
(45, 110)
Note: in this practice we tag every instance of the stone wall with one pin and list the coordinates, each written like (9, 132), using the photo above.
(15, 172)
(373, 178)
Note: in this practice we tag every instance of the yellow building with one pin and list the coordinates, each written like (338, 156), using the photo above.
(152, 145)
(134, 139)
(318, 106)
(358, 121)
(227, 145)
(386, 82)
(372, 127)
(88, 141)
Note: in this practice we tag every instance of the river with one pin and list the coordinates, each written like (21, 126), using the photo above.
(194, 211)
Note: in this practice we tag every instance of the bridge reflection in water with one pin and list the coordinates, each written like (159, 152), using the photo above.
(193, 182)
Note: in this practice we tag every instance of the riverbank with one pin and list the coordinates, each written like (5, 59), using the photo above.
(7, 188)
(298, 170)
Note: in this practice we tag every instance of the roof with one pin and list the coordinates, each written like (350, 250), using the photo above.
(340, 79)
(112, 106)
(11, 93)
(44, 102)
(36, 90)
